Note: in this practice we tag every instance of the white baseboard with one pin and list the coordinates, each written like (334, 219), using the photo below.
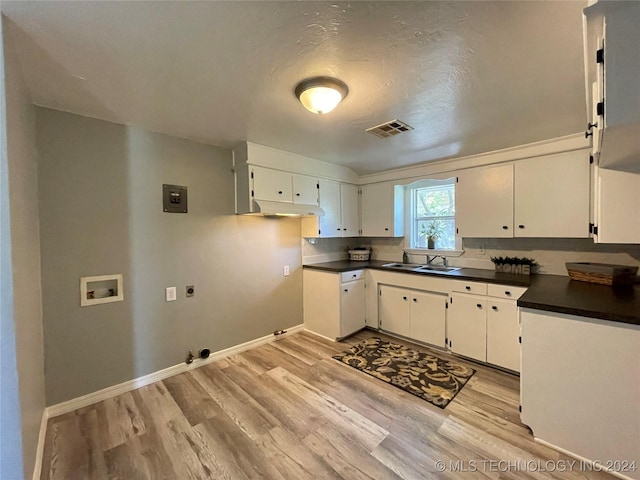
(318, 335)
(37, 469)
(585, 461)
(109, 392)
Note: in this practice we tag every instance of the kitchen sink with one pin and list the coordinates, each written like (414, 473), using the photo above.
(414, 267)
(436, 268)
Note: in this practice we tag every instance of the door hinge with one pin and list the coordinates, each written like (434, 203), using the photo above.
(591, 228)
(319, 232)
(451, 300)
(600, 55)
(359, 191)
(600, 108)
(591, 159)
(446, 304)
(450, 344)
(519, 339)
(380, 292)
(318, 185)
(595, 230)
(252, 193)
(456, 231)
(252, 175)
(520, 408)
(457, 180)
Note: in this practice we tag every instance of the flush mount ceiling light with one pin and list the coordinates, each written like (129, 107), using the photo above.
(321, 94)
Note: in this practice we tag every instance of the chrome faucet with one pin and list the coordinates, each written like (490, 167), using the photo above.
(430, 259)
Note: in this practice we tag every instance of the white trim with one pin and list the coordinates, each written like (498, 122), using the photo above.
(537, 149)
(321, 336)
(582, 459)
(109, 392)
(37, 469)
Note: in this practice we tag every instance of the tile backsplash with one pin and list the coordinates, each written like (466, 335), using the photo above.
(550, 253)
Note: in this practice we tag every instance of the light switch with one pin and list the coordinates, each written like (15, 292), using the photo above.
(170, 294)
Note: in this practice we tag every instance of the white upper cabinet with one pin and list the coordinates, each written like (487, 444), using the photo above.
(538, 197)
(340, 204)
(552, 196)
(277, 186)
(484, 202)
(612, 66)
(617, 215)
(271, 185)
(349, 210)
(381, 210)
(305, 190)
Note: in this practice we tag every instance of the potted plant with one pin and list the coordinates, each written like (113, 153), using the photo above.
(517, 265)
(432, 231)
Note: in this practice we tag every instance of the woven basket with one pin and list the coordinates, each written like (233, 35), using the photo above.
(601, 273)
(359, 255)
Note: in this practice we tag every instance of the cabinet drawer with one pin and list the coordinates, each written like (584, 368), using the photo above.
(351, 276)
(469, 287)
(505, 291)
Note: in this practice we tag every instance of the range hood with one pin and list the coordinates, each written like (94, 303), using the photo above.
(284, 209)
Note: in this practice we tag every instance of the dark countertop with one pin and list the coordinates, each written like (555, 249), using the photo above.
(471, 274)
(555, 293)
(552, 293)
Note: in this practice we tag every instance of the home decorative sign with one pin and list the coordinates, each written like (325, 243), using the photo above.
(515, 265)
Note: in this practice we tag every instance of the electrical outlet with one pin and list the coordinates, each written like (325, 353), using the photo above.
(170, 294)
(481, 250)
(285, 271)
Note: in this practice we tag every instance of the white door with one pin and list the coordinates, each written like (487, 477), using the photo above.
(349, 209)
(271, 185)
(503, 332)
(617, 207)
(552, 196)
(394, 310)
(377, 210)
(329, 223)
(428, 317)
(305, 190)
(467, 325)
(352, 305)
(484, 202)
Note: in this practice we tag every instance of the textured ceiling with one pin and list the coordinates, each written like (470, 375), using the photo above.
(470, 77)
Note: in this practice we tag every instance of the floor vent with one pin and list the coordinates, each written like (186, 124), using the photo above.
(389, 129)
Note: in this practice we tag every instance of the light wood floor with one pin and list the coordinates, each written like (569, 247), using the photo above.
(289, 411)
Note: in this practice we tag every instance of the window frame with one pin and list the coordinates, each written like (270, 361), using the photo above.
(411, 221)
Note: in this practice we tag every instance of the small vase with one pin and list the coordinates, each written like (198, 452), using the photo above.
(431, 243)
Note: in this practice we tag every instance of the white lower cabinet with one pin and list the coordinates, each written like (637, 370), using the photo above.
(413, 314)
(579, 387)
(333, 303)
(467, 326)
(484, 325)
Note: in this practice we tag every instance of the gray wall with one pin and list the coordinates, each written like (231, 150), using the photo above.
(22, 344)
(101, 213)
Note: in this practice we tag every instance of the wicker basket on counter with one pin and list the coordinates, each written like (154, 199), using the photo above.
(359, 255)
(602, 273)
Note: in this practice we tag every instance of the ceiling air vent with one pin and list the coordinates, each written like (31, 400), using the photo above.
(389, 129)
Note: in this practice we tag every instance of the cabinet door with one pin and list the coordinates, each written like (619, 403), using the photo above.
(428, 317)
(329, 223)
(377, 210)
(484, 202)
(352, 305)
(271, 185)
(617, 201)
(305, 190)
(467, 326)
(503, 331)
(394, 310)
(349, 209)
(552, 196)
